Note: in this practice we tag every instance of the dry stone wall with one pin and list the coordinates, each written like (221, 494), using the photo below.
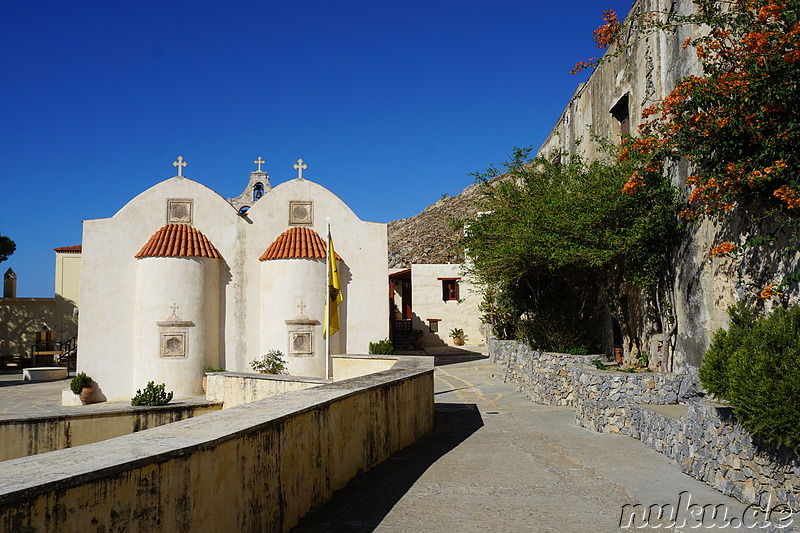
(707, 441)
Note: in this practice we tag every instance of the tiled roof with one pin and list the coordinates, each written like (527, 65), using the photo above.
(178, 240)
(297, 243)
(69, 249)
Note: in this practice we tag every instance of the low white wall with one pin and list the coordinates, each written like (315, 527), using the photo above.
(33, 435)
(254, 467)
(234, 388)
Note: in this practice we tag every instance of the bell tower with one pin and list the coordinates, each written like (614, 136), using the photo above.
(10, 284)
(257, 187)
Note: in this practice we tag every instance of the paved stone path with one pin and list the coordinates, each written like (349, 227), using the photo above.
(23, 399)
(499, 463)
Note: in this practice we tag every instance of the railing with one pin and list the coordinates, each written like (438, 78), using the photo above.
(55, 353)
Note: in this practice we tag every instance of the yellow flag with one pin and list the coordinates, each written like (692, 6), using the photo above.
(334, 293)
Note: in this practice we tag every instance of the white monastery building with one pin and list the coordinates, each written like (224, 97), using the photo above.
(181, 278)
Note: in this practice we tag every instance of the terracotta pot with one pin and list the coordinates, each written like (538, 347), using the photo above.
(87, 395)
(418, 342)
(458, 341)
(619, 355)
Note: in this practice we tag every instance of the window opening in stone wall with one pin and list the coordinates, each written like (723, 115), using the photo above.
(244, 209)
(258, 191)
(621, 113)
(449, 289)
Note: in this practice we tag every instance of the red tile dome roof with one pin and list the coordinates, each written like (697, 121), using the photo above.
(297, 243)
(178, 240)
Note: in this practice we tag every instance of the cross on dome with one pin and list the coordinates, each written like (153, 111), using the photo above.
(259, 162)
(180, 163)
(300, 167)
(302, 307)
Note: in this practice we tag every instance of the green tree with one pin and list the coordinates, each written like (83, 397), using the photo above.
(558, 240)
(7, 247)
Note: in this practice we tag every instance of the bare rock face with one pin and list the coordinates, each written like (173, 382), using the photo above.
(430, 238)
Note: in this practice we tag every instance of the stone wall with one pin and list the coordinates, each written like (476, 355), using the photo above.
(599, 396)
(716, 449)
(704, 438)
(603, 398)
(546, 378)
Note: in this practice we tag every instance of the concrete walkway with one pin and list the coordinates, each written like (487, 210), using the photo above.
(26, 399)
(499, 463)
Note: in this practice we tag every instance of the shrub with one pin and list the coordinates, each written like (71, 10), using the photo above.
(152, 395)
(270, 363)
(79, 382)
(755, 366)
(384, 347)
(714, 371)
(210, 369)
(577, 350)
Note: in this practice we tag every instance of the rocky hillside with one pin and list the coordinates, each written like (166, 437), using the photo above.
(429, 238)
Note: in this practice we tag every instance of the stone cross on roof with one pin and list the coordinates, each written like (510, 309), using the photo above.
(180, 163)
(259, 162)
(302, 307)
(300, 166)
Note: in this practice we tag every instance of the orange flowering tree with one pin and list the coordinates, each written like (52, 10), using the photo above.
(737, 124)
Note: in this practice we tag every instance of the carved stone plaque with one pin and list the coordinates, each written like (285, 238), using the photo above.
(173, 345)
(179, 211)
(301, 213)
(301, 343)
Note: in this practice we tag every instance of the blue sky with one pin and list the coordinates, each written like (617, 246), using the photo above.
(391, 105)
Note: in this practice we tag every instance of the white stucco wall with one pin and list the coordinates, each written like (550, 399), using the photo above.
(362, 246)
(68, 276)
(285, 283)
(192, 283)
(108, 296)
(427, 303)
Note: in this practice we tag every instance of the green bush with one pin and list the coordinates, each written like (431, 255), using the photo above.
(577, 350)
(79, 382)
(270, 363)
(152, 395)
(755, 365)
(210, 369)
(384, 347)
(714, 371)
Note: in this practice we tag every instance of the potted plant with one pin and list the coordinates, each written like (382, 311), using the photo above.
(82, 385)
(458, 336)
(270, 363)
(619, 354)
(418, 338)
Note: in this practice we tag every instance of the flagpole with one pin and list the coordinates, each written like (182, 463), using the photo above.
(328, 304)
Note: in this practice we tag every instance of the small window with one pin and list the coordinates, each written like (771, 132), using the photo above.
(433, 324)
(621, 112)
(244, 209)
(449, 289)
